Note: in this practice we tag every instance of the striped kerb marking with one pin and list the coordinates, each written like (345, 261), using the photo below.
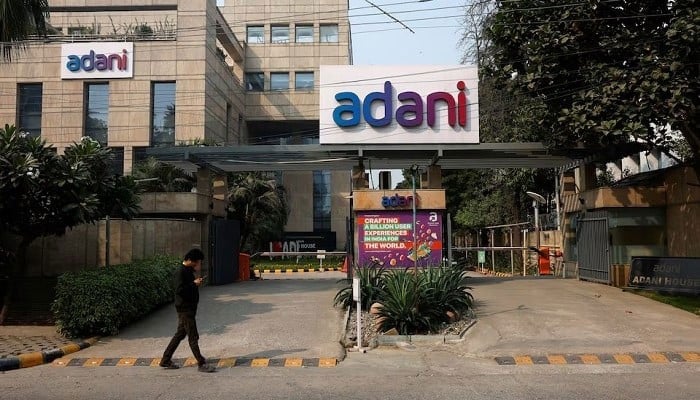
(229, 362)
(603, 358)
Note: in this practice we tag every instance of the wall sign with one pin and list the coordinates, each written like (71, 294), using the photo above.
(97, 60)
(386, 237)
(666, 274)
(398, 104)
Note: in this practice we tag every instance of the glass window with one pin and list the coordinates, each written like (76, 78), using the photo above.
(255, 81)
(29, 108)
(279, 81)
(279, 34)
(97, 111)
(304, 81)
(163, 114)
(116, 162)
(322, 201)
(305, 33)
(220, 3)
(256, 34)
(329, 33)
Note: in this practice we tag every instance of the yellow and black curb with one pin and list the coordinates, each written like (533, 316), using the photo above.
(499, 274)
(289, 270)
(192, 362)
(43, 357)
(594, 359)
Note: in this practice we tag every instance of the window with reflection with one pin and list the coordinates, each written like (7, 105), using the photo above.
(163, 114)
(322, 200)
(97, 111)
(305, 34)
(255, 81)
(279, 81)
(304, 81)
(279, 34)
(29, 108)
(329, 33)
(255, 34)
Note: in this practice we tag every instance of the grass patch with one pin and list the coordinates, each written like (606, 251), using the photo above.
(687, 302)
(263, 263)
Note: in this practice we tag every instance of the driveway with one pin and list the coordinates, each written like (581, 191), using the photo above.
(266, 318)
(549, 316)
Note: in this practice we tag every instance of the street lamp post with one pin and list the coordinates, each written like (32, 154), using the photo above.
(414, 168)
(536, 200)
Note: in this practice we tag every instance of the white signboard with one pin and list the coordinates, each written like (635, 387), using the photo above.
(97, 60)
(398, 104)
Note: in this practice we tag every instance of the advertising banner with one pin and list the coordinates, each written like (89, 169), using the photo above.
(386, 237)
(408, 104)
(671, 274)
(97, 60)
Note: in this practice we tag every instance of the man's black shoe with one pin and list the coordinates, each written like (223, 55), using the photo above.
(206, 368)
(169, 365)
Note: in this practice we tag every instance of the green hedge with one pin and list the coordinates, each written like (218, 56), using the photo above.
(101, 301)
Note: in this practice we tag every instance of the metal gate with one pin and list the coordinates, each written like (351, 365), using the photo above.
(593, 247)
(224, 239)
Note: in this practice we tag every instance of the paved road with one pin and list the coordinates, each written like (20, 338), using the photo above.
(293, 318)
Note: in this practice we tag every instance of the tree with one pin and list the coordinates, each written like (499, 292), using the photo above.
(608, 72)
(20, 19)
(260, 204)
(156, 176)
(42, 193)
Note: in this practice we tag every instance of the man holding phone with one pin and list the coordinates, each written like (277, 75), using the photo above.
(186, 301)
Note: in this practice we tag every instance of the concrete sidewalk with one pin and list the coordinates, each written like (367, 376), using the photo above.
(289, 315)
(539, 316)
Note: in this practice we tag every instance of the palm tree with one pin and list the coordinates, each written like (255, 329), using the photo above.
(20, 19)
(260, 204)
(168, 177)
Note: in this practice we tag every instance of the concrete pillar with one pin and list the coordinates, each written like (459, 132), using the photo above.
(220, 187)
(434, 180)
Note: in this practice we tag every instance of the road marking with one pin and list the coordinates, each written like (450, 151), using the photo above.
(590, 359)
(691, 356)
(657, 358)
(556, 359)
(126, 362)
(523, 360)
(603, 358)
(293, 362)
(260, 362)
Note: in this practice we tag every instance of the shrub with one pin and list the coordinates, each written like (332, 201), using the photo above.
(103, 300)
(411, 302)
(371, 285)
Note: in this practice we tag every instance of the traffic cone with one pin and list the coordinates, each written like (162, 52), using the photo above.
(345, 265)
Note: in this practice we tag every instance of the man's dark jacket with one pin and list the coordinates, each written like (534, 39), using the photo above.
(186, 292)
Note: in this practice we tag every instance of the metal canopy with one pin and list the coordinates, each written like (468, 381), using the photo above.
(344, 157)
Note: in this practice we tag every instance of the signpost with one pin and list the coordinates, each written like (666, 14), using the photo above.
(669, 274)
(357, 296)
(482, 259)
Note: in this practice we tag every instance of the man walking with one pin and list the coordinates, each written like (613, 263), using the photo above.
(186, 300)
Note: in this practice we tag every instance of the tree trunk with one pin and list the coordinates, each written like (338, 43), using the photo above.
(16, 272)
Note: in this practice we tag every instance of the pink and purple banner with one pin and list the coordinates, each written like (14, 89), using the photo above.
(386, 237)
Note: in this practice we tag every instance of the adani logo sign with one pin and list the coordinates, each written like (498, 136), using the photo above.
(398, 104)
(107, 60)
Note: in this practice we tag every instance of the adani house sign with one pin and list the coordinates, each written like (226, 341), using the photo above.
(411, 104)
(97, 60)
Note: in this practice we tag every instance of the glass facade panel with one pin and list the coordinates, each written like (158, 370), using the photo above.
(256, 34)
(305, 33)
(279, 34)
(97, 112)
(255, 81)
(329, 33)
(279, 81)
(163, 114)
(322, 201)
(29, 108)
(304, 81)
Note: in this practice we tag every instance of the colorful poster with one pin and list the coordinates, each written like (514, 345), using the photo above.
(386, 237)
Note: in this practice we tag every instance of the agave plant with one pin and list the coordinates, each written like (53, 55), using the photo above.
(371, 285)
(444, 290)
(403, 307)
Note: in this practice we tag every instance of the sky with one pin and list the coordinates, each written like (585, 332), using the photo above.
(379, 40)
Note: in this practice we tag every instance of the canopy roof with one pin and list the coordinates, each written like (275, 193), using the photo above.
(378, 157)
